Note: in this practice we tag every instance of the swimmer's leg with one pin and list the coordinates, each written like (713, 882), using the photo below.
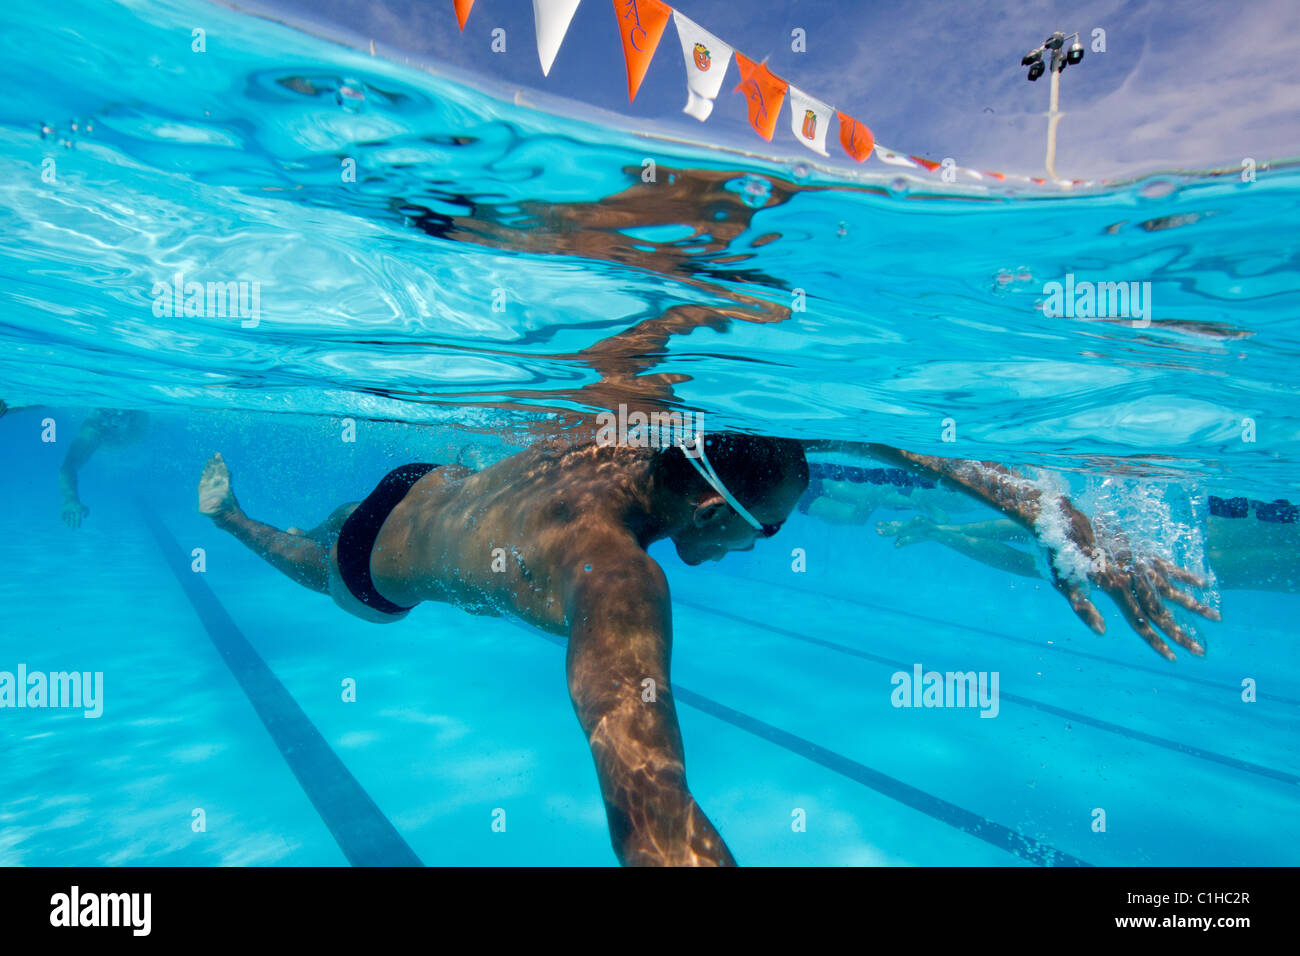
(301, 558)
(999, 529)
(986, 550)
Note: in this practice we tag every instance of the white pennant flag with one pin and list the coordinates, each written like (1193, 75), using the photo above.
(893, 158)
(553, 18)
(707, 59)
(809, 119)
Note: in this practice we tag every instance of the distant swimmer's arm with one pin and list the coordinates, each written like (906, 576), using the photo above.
(83, 446)
(620, 637)
(1080, 551)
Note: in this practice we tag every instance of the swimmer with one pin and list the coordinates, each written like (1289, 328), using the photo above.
(556, 536)
(105, 427)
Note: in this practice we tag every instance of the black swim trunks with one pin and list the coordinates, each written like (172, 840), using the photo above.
(359, 531)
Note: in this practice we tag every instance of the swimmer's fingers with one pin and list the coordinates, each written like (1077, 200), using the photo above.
(1127, 598)
(1084, 608)
(1183, 599)
(1178, 574)
(1146, 588)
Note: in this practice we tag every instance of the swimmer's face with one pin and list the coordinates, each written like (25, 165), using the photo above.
(716, 529)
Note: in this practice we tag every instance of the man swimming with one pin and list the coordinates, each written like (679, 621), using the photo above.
(556, 535)
(104, 427)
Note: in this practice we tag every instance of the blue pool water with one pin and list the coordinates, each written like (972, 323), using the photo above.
(921, 314)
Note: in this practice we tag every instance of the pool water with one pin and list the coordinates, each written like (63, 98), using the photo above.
(921, 315)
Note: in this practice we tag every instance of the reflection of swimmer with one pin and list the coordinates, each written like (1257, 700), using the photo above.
(105, 427)
(1253, 554)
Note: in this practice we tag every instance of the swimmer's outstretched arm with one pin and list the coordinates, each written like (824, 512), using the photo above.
(87, 442)
(1139, 584)
(620, 635)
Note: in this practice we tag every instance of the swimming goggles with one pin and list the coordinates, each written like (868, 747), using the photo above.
(694, 452)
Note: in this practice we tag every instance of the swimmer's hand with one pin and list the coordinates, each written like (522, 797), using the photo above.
(73, 512)
(1138, 584)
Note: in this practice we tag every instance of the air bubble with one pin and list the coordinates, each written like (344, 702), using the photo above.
(350, 96)
(755, 191)
(1157, 188)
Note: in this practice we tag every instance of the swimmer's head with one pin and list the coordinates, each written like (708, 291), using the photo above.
(765, 476)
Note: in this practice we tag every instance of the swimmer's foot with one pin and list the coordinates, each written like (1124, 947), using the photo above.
(915, 531)
(216, 500)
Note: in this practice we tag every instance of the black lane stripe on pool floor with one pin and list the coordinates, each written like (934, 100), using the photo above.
(968, 822)
(359, 827)
(1036, 645)
(1132, 734)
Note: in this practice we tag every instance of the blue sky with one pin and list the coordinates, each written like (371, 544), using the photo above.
(1185, 84)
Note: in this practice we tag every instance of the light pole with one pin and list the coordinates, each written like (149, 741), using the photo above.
(1034, 60)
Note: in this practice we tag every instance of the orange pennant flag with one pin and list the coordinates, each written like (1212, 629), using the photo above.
(929, 164)
(765, 92)
(463, 8)
(855, 138)
(641, 25)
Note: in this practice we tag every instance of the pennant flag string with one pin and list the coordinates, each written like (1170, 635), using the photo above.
(810, 120)
(641, 26)
(886, 155)
(463, 7)
(855, 138)
(553, 18)
(707, 59)
(764, 91)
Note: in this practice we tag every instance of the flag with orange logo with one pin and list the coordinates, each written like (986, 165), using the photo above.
(641, 25)
(854, 137)
(764, 91)
(707, 59)
(463, 8)
(810, 120)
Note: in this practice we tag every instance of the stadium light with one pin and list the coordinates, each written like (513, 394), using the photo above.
(1060, 58)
